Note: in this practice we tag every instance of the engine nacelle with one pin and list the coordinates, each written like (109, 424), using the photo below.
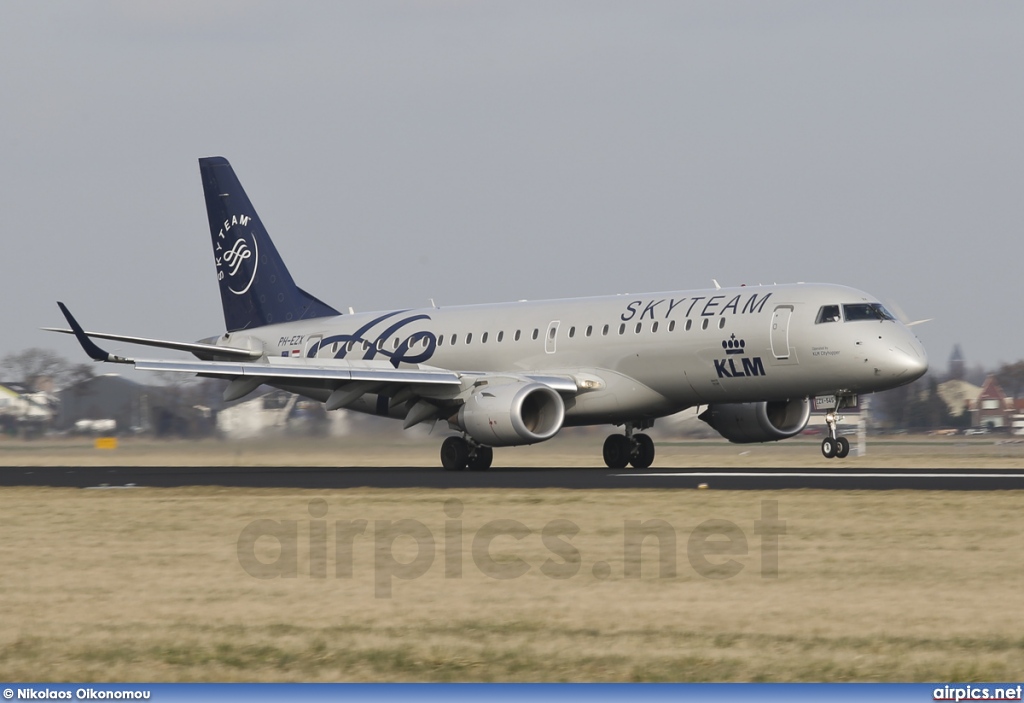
(758, 422)
(513, 413)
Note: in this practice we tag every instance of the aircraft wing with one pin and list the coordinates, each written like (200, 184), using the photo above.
(270, 369)
(345, 380)
(288, 370)
(203, 351)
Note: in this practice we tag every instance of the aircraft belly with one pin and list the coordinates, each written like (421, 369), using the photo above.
(623, 398)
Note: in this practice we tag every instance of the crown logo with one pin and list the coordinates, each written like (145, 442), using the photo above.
(734, 346)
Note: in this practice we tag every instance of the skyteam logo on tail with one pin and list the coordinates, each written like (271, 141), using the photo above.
(239, 259)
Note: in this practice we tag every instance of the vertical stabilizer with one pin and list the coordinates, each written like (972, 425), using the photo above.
(255, 286)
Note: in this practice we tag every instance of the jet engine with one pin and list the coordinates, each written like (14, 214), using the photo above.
(758, 422)
(511, 414)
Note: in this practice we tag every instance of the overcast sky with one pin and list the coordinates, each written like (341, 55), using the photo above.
(485, 151)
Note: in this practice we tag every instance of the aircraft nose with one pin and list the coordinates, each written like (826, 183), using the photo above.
(912, 358)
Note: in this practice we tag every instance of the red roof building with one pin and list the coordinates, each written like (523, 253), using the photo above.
(992, 408)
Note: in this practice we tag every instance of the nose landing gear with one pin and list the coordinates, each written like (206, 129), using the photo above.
(834, 446)
(636, 450)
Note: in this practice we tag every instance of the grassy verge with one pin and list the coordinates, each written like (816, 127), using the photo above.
(148, 584)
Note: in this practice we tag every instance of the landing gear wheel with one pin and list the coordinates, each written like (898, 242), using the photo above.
(455, 454)
(617, 451)
(481, 459)
(842, 448)
(643, 451)
(828, 447)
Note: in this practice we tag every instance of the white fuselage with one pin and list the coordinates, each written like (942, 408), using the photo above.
(648, 355)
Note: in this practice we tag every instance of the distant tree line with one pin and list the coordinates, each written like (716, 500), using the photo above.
(34, 368)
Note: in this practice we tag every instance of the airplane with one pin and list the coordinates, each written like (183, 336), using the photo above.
(516, 373)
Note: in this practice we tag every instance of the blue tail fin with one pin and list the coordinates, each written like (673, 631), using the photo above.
(255, 286)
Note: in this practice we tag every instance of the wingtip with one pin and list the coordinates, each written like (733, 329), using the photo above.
(90, 347)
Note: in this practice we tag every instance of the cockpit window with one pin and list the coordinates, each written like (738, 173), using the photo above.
(828, 313)
(866, 311)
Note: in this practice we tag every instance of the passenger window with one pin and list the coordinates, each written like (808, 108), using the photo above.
(455, 338)
(501, 335)
(469, 338)
(721, 323)
(654, 327)
(483, 338)
(517, 335)
(590, 330)
(572, 332)
(689, 325)
(622, 328)
(536, 333)
(827, 313)
(704, 324)
(672, 326)
(639, 326)
(440, 340)
(604, 332)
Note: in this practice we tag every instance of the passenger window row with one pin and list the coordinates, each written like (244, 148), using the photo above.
(589, 331)
(574, 331)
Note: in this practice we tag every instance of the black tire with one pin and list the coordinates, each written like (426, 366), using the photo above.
(842, 448)
(643, 454)
(455, 454)
(481, 461)
(616, 451)
(828, 447)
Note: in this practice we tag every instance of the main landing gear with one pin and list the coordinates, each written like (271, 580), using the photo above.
(459, 454)
(833, 446)
(634, 449)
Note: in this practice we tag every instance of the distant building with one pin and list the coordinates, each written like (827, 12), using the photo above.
(1018, 419)
(957, 370)
(279, 413)
(25, 412)
(991, 407)
(134, 408)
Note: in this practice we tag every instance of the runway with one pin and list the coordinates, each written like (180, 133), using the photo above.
(512, 478)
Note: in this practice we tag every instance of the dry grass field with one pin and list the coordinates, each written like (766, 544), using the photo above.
(158, 584)
(148, 584)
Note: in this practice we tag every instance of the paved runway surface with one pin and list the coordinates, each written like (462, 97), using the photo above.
(326, 477)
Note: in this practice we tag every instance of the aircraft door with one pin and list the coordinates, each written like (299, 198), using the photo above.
(551, 337)
(780, 331)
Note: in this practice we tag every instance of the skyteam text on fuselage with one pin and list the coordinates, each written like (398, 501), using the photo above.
(516, 373)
